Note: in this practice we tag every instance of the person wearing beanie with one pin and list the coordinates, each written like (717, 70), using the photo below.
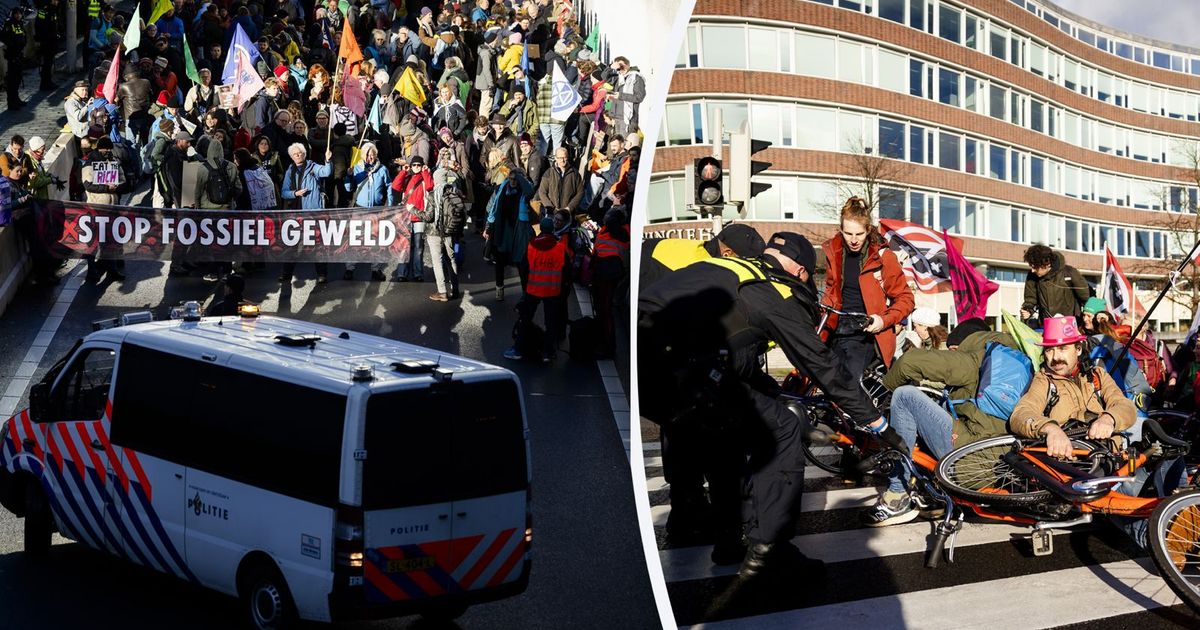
(927, 326)
(1092, 306)
(549, 261)
(688, 352)
(105, 182)
(661, 256)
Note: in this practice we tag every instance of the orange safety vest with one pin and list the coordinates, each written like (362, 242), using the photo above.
(606, 245)
(546, 269)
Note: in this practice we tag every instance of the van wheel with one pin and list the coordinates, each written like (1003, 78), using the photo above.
(266, 600)
(444, 613)
(38, 528)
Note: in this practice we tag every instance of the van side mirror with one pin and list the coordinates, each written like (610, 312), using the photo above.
(39, 401)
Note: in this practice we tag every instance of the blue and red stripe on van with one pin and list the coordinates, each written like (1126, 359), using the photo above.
(383, 585)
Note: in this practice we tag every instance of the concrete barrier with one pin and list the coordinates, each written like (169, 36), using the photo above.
(14, 256)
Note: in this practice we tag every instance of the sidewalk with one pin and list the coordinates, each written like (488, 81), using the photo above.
(44, 115)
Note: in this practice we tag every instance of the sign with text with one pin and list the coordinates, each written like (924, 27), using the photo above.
(69, 229)
(107, 173)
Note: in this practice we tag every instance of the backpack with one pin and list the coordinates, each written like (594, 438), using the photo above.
(1004, 376)
(217, 188)
(454, 212)
(1147, 359)
(152, 154)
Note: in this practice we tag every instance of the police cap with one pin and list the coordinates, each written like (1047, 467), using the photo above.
(796, 247)
(744, 240)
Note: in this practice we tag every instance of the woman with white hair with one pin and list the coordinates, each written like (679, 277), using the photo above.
(302, 190)
(368, 185)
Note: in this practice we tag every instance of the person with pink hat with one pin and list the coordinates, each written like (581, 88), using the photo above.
(1065, 390)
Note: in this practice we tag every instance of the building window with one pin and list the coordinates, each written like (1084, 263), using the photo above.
(891, 139)
(999, 40)
(891, 71)
(996, 105)
(891, 10)
(948, 151)
(948, 87)
(948, 23)
(971, 163)
(814, 55)
(916, 78)
(997, 161)
(1037, 111)
(916, 14)
(949, 213)
(1036, 172)
(916, 144)
(891, 204)
(850, 66)
(1162, 60)
(764, 49)
(724, 46)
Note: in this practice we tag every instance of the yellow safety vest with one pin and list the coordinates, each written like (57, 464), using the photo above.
(748, 272)
(677, 253)
(93, 8)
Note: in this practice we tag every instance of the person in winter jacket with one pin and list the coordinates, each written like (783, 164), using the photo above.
(302, 187)
(445, 215)
(628, 96)
(485, 73)
(107, 193)
(1053, 287)
(448, 111)
(501, 138)
(549, 261)
(213, 166)
(368, 186)
(509, 228)
(561, 187)
(412, 187)
(863, 276)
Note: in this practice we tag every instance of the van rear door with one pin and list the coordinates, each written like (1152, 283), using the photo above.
(445, 489)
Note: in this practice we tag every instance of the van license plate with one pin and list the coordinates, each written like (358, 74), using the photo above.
(408, 565)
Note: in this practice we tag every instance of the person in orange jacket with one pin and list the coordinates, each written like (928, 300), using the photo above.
(549, 259)
(863, 276)
(610, 266)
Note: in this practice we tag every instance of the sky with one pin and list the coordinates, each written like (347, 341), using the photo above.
(1174, 21)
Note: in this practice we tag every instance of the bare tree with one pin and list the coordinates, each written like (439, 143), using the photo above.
(1181, 223)
(866, 174)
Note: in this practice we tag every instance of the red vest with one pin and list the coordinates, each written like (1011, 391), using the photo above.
(606, 245)
(545, 269)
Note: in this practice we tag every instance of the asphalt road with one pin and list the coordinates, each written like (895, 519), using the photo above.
(588, 568)
(875, 577)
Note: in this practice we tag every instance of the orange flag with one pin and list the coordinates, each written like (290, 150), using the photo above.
(350, 51)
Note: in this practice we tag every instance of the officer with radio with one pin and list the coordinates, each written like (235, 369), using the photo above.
(13, 35)
(702, 331)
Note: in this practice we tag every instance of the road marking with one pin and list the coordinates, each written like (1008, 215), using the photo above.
(1054, 598)
(809, 502)
(41, 342)
(693, 563)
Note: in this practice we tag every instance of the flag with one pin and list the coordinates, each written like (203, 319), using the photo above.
(1027, 340)
(564, 97)
(922, 253)
(1116, 289)
(247, 80)
(133, 34)
(525, 68)
(189, 64)
(971, 288)
(300, 75)
(350, 51)
(410, 88)
(354, 97)
(355, 156)
(110, 82)
(1194, 327)
(374, 119)
(241, 41)
(593, 40)
(159, 9)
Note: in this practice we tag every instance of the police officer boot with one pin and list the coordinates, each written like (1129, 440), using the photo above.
(729, 549)
(688, 522)
(778, 560)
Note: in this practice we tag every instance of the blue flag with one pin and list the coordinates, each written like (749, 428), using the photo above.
(240, 41)
(373, 119)
(525, 67)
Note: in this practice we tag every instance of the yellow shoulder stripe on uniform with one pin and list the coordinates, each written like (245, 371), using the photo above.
(748, 272)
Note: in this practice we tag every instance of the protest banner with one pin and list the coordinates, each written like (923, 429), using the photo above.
(107, 173)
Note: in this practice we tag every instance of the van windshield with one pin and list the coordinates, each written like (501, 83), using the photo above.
(445, 443)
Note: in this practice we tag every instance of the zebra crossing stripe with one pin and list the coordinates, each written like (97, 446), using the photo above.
(1050, 599)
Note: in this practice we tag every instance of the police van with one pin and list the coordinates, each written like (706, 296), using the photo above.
(313, 472)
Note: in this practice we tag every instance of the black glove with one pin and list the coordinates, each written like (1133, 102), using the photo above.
(892, 439)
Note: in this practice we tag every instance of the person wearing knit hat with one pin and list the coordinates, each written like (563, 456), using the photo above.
(1092, 306)
(927, 325)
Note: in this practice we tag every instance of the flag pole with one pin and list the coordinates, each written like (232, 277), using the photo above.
(332, 91)
(1161, 294)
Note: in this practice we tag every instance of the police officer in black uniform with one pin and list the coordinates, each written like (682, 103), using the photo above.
(232, 298)
(702, 331)
(12, 33)
(49, 38)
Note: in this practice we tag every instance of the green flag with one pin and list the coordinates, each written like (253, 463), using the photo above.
(593, 39)
(133, 33)
(189, 64)
(1026, 339)
(344, 7)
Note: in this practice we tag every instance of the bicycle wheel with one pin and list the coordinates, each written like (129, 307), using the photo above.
(833, 456)
(1174, 536)
(975, 473)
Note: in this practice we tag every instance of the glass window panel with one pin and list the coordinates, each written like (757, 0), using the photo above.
(971, 37)
(949, 19)
(1016, 234)
(764, 49)
(916, 208)
(1139, 97)
(916, 14)
(679, 123)
(971, 216)
(916, 78)
(1104, 87)
(1142, 243)
(891, 139)
(970, 98)
(891, 204)
(1162, 60)
(785, 114)
(1037, 168)
(764, 122)
(1123, 50)
(971, 164)
(850, 133)
(1085, 237)
(891, 10)
(698, 121)
(892, 71)
(816, 128)
(1039, 229)
(733, 115)
(1037, 113)
(724, 46)
(949, 213)
(1037, 59)
(999, 222)
(997, 162)
(999, 41)
(1070, 74)
(658, 203)
(916, 144)
(813, 55)
(767, 205)
(850, 67)
(948, 150)
(1071, 236)
(1139, 54)
(1121, 245)
(948, 86)
(996, 105)
(1016, 160)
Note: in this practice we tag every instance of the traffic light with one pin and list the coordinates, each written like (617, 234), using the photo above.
(742, 168)
(708, 182)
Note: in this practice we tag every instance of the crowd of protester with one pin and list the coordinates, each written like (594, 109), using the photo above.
(442, 111)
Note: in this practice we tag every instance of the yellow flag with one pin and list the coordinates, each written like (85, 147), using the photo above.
(1025, 337)
(410, 88)
(355, 156)
(159, 9)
